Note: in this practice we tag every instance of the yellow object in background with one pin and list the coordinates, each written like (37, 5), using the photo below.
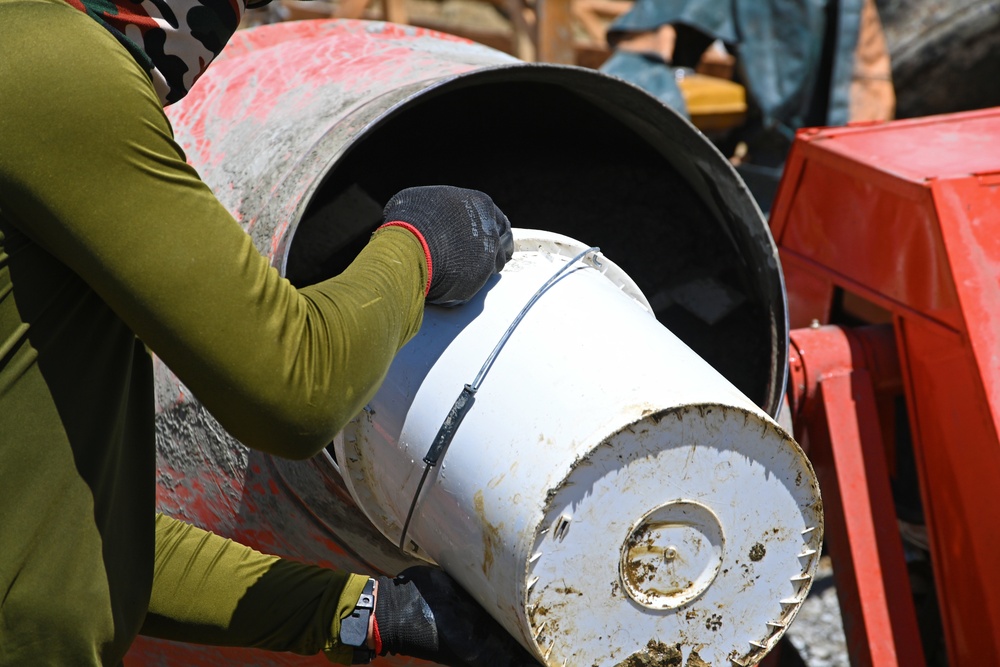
(713, 103)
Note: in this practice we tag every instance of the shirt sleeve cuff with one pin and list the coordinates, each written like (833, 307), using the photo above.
(334, 651)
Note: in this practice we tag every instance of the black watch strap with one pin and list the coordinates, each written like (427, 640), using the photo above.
(354, 628)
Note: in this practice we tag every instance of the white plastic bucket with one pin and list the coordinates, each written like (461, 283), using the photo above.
(608, 493)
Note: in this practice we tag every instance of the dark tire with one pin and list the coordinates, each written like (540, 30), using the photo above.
(945, 54)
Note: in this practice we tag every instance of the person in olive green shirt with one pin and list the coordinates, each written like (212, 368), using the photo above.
(110, 244)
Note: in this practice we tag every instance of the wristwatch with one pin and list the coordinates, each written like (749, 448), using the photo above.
(354, 628)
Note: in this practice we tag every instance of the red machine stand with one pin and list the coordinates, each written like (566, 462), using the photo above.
(898, 224)
(839, 378)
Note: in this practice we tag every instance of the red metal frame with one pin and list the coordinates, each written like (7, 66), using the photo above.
(904, 217)
(834, 407)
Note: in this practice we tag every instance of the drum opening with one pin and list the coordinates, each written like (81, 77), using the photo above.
(565, 160)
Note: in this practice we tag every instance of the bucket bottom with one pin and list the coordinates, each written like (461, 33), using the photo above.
(692, 532)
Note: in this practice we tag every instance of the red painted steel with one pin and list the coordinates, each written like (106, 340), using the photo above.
(834, 408)
(905, 216)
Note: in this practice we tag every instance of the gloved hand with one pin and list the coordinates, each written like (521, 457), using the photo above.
(466, 237)
(423, 613)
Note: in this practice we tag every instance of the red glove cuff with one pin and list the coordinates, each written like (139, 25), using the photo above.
(376, 636)
(427, 252)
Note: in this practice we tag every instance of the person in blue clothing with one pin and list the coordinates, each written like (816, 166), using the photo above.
(803, 64)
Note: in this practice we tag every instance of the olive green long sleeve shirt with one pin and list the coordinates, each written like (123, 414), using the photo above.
(110, 243)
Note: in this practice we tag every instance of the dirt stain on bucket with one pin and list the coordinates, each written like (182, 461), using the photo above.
(656, 654)
(491, 533)
(694, 660)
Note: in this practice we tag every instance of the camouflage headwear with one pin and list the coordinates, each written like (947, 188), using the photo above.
(173, 40)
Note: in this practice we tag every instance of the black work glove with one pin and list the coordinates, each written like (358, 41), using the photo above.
(423, 613)
(467, 237)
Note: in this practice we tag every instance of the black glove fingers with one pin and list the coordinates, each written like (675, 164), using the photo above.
(467, 235)
(505, 249)
(405, 622)
(464, 634)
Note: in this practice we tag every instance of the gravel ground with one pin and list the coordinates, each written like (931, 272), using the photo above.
(818, 632)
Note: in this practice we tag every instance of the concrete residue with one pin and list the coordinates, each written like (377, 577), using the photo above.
(491, 533)
(694, 660)
(714, 622)
(656, 654)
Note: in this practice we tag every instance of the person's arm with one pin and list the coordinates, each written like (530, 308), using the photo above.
(93, 175)
(210, 590)
(89, 171)
(214, 591)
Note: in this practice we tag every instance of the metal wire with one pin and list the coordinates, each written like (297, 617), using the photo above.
(466, 398)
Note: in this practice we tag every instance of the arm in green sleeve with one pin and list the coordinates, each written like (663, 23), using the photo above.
(91, 173)
(211, 590)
